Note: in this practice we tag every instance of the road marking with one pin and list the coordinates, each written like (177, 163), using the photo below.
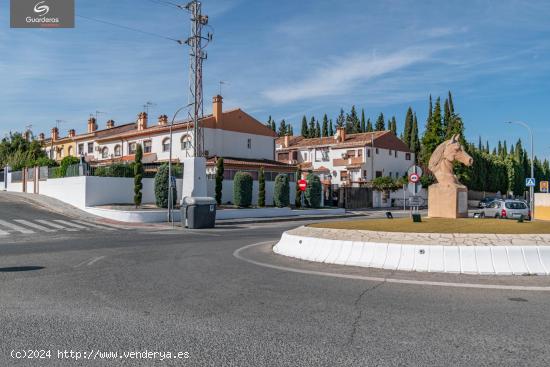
(55, 225)
(15, 227)
(94, 225)
(3, 233)
(34, 225)
(67, 223)
(89, 262)
(237, 254)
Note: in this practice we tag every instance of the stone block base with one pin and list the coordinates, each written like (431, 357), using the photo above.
(447, 201)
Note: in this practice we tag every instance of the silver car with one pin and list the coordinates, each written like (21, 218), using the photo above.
(512, 209)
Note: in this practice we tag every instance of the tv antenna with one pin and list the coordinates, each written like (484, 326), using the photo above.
(148, 105)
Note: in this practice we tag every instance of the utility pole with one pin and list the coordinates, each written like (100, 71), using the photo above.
(196, 57)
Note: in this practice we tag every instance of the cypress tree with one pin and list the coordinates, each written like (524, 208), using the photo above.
(317, 129)
(268, 124)
(138, 176)
(504, 149)
(305, 130)
(369, 126)
(325, 131)
(380, 124)
(363, 126)
(487, 146)
(219, 180)
(261, 188)
(438, 125)
(447, 119)
(479, 145)
(290, 130)
(415, 140)
(341, 120)
(451, 106)
(283, 130)
(407, 131)
(330, 128)
(393, 126)
(432, 134)
(312, 132)
(354, 123)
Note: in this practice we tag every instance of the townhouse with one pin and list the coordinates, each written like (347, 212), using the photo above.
(347, 159)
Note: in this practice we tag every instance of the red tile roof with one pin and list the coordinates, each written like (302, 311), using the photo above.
(230, 162)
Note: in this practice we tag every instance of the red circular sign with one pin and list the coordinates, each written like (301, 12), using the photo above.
(414, 177)
(302, 184)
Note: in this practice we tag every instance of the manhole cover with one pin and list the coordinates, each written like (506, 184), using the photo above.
(14, 269)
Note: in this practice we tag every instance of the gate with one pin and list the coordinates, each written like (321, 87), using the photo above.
(355, 197)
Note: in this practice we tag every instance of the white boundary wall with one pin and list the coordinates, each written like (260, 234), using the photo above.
(497, 260)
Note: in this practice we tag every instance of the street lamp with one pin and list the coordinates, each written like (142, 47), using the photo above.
(531, 188)
(170, 187)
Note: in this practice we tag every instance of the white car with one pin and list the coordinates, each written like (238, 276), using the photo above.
(511, 209)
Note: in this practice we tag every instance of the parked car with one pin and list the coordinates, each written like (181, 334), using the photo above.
(486, 201)
(512, 209)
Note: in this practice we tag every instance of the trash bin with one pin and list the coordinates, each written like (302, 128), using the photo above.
(198, 212)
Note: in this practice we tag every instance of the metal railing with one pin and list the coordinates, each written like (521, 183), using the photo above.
(17, 176)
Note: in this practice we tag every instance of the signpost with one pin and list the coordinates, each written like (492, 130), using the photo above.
(544, 186)
(414, 173)
(415, 201)
(530, 182)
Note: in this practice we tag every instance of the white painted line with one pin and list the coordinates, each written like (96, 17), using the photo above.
(67, 223)
(94, 260)
(15, 227)
(237, 254)
(55, 225)
(34, 225)
(94, 225)
(3, 233)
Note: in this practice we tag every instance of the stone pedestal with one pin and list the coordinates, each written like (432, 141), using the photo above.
(447, 201)
(194, 177)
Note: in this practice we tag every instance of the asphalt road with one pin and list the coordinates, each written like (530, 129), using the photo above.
(184, 291)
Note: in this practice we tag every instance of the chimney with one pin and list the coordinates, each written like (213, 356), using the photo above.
(217, 108)
(163, 120)
(142, 121)
(286, 141)
(110, 124)
(41, 136)
(340, 134)
(72, 133)
(55, 134)
(92, 126)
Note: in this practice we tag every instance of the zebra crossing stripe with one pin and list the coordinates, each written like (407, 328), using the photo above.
(55, 225)
(67, 223)
(94, 225)
(15, 227)
(34, 225)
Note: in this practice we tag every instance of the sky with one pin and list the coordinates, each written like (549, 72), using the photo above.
(287, 59)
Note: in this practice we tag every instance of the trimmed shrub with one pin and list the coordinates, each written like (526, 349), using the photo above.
(242, 189)
(313, 191)
(281, 192)
(384, 183)
(161, 188)
(138, 176)
(65, 164)
(298, 198)
(219, 180)
(261, 188)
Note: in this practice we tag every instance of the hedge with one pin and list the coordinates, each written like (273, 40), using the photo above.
(281, 192)
(313, 191)
(242, 189)
(161, 188)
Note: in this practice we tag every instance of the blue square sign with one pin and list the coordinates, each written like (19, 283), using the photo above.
(530, 182)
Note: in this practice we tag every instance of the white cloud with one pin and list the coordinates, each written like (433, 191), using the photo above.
(342, 75)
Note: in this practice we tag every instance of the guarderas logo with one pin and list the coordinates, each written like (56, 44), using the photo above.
(41, 9)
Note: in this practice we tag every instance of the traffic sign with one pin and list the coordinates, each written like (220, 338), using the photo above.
(530, 182)
(414, 169)
(415, 201)
(544, 186)
(414, 178)
(302, 185)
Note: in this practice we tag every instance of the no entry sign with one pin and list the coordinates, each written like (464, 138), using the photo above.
(414, 177)
(302, 184)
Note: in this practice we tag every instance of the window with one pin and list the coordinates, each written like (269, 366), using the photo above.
(185, 142)
(118, 151)
(390, 151)
(283, 157)
(368, 153)
(80, 149)
(305, 157)
(408, 156)
(294, 155)
(377, 151)
(395, 154)
(378, 174)
(360, 153)
(343, 175)
(147, 146)
(90, 148)
(249, 143)
(365, 174)
(70, 151)
(350, 153)
(132, 148)
(390, 175)
(166, 145)
(105, 153)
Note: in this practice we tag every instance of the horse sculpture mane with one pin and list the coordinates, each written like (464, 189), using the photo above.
(441, 161)
(437, 156)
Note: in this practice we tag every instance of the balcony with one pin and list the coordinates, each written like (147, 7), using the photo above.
(347, 161)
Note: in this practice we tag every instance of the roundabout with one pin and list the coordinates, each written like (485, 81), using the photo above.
(463, 246)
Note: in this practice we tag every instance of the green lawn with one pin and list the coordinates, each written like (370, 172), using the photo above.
(441, 225)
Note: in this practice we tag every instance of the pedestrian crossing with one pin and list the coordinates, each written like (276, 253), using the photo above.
(32, 226)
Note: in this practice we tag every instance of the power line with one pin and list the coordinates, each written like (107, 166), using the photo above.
(167, 3)
(130, 29)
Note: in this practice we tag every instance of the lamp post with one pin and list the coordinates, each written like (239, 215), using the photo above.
(170, 187)
(531, 188)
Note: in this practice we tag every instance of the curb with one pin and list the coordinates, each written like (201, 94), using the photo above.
(285, 219)
(484, 260)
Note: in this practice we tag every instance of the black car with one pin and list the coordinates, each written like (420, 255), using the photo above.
(486, 201)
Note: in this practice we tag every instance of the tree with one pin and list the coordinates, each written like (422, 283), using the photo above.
(305, 130)
(407, 131)
(261, 190)
(380, 124)
(161, 187)
(353, 125)
(312, 133)
(242, 189)
(325, 131)
(138, 176)
(317, 129)
(298, 198)
(433, 135)
(393, 125)
(268, 124)
(330, 128)
(219, 179)
(363, 122)
(340, 121)
(18, 152)
(384, 183)
(446, 117)
(415, 141)
(281, 191)
(283, 129)
(314, 190)
(369, 128)
(290, 130)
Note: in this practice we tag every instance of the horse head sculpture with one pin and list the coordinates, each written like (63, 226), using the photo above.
(441, 161)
